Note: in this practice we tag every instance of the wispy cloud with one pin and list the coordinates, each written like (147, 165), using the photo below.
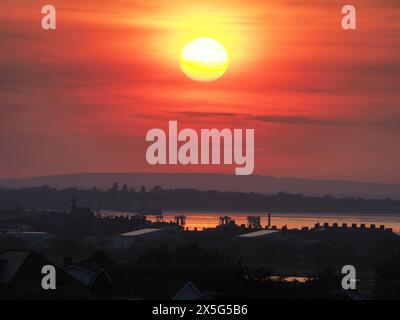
(270, 118)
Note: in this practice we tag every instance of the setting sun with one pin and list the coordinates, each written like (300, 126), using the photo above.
(204, 60)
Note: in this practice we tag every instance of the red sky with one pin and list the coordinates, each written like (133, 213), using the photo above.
(324, 102)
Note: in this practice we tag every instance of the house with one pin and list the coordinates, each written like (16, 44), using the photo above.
(21, 277)
(97, 281)
(188, 292)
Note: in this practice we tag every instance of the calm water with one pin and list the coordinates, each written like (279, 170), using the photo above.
(208, 219)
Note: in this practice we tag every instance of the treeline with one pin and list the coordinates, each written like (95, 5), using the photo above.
(126, 198)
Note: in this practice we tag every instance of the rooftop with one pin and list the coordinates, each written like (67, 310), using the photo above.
(259, 233)
(139, 232)
(11, 262)
(83, 275)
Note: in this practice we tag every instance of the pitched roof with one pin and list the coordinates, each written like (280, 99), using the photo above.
(11, 262)
(85, 276)
(188, 292)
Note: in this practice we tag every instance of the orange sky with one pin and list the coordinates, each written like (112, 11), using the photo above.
(325, 103)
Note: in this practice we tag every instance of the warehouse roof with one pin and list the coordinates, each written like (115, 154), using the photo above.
(260, 233)
(139, 232)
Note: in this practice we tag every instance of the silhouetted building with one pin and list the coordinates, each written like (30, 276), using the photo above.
(97, 281)
(125, 240)
(254, 222)
(21, 274)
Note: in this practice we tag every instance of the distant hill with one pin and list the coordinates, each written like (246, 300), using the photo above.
(220, 182)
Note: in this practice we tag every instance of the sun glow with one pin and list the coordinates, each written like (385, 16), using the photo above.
(227, 25)
(204, 60)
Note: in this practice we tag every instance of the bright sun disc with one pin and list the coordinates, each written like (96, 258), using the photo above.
(204, 60)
